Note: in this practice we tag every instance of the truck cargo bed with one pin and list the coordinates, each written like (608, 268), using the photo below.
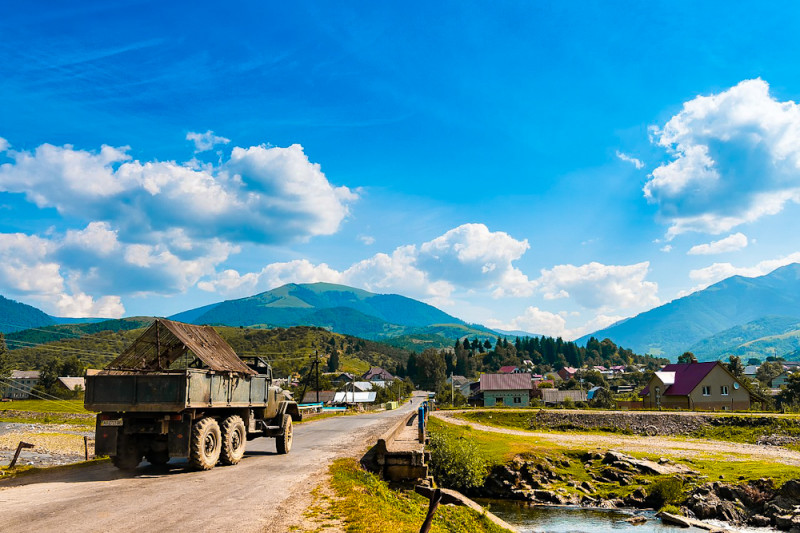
(174, 391)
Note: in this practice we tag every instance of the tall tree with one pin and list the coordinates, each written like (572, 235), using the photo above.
(687, 357)
(333, 361)
(735, 366)
(430, 369)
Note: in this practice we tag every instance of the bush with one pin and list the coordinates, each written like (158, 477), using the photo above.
(456, 462)
(666, 491)
(671, 509)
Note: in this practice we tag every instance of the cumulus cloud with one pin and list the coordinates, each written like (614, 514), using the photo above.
(731, 243)
(3, 145)
(367, 239)
(632, 160)
(540, 322)
(473, 256)
(667, 248)
(260, 194)
(735, 158)
(205, 141)
(598, 286)
(468, 257)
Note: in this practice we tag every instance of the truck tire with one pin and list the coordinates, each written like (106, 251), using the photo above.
(206, 444)
(234, 440)
(284, 442)
(128, 453)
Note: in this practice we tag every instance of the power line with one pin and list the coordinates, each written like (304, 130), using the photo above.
(42, 346)
(57, 401)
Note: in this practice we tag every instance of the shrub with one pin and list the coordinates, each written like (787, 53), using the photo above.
(666, 491)
(671, 509)
(456, 462)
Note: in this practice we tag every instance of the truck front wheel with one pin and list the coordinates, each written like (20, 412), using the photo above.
(206, 444)
(284, 441)
(234, 440)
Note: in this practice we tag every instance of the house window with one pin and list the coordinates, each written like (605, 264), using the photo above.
(706, 390)
(517, 399)
(723, 390)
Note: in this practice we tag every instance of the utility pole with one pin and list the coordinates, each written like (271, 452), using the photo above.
(451, 388)
(316, 352)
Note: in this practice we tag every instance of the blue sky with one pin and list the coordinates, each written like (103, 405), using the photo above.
(550, 167)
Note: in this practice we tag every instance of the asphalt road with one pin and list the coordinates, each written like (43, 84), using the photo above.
(258, 494)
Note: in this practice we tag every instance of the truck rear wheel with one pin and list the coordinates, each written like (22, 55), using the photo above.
(234, 440)
(206, 444)
(128, 453)
(284, 442)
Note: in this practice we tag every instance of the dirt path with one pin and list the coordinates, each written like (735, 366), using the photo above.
(683, 447)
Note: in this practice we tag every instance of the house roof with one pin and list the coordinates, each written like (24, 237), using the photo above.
(25, 374)
(506, 381)
(377, 372)
(166, 342)
(557, 396)
(667, 378)
(72, 382)
(325, 396)
(685, 377)
(354, 397)
(507, 369)
(569, 370)
(363, 385)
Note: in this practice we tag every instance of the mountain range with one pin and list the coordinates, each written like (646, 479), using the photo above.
(727, 315)
(750, 317)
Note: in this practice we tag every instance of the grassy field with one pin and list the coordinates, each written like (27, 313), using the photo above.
(364, 503)
(42, 406)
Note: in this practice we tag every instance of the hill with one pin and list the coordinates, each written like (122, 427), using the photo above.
(48, 334)
(769, 336)
(16, 316)
(336, 307)
(675, 327)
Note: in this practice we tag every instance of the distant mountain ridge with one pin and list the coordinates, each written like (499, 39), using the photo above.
(339, 308)
(16, 316)
(677, 326)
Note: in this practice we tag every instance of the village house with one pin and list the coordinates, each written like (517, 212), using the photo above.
(510, 370)
(512, 390)
(567, 373)
(19, 384)
(71, 384)
(695, 386)
(376, 373)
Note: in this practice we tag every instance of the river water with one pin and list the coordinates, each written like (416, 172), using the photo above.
(551, 519)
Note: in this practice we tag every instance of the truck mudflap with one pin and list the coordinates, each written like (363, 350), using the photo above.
(179, 435)
(105, 435)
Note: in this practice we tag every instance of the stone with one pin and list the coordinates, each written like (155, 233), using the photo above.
(759, 520)
(588, 486)
(637, 520)
(784, 521)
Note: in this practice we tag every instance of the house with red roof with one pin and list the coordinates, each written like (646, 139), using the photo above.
(567, 372)
(696, 386)
(512, 390)
(509, 370)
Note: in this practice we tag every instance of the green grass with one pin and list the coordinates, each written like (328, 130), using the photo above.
(367, 504)
(43, 406)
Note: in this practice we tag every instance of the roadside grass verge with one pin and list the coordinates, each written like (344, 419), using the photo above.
(367, 504)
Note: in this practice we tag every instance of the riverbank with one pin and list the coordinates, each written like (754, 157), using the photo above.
(707, 479)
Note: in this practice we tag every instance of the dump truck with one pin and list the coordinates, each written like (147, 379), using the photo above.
(181, 391)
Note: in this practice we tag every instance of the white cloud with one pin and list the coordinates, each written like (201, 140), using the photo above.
(731, 243)
(538, 321)
(205, 141)
(667, 248)
(473, 256)
(261, 194)
(3, 145)
(469, 257)
(82, 305)
(598, 286)
(632, 160)
(735, 158)
(97, 236)
(367, 239)
(719, 271)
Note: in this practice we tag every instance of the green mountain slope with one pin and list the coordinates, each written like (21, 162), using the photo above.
(338, 307)
(16, 316)
(768, 336)
(675, 327)
(46, 334)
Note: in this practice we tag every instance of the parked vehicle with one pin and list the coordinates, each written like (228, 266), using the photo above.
(181, 391)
